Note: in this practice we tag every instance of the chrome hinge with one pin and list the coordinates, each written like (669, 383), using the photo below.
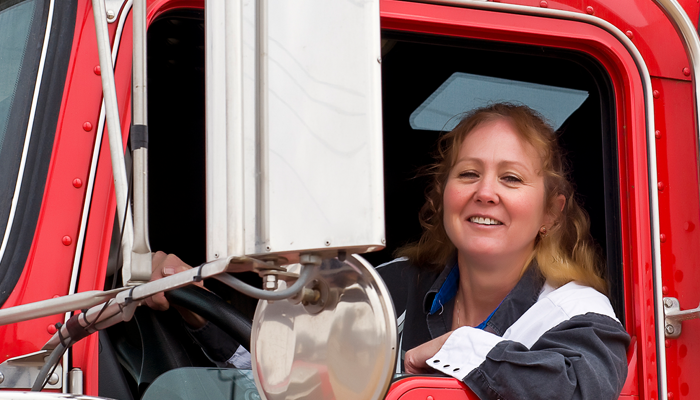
(673, 316)
(21, 372)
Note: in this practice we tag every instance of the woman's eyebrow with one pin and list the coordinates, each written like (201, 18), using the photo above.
(518, 164)
(503, 163)
(469, 159)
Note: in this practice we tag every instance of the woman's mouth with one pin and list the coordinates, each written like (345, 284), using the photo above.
(485, 221)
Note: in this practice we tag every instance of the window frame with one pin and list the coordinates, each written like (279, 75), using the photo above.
(634, 113)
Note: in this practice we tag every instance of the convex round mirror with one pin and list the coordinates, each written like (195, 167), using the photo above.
(341, 346)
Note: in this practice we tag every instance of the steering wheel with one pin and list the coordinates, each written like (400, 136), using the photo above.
(214, 309)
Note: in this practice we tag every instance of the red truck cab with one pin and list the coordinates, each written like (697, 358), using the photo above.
(632, 143)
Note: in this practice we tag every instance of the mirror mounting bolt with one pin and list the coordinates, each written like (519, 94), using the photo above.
(270, 282)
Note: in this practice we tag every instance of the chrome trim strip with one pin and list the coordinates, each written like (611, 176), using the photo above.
(30, 126)
(90, 184)
(651, 139)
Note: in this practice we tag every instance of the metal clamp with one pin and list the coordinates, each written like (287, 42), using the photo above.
(673, 316)
(21, 372)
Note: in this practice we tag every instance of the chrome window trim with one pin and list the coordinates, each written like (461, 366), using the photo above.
(28, 133)
(672, 13)
(77, 257)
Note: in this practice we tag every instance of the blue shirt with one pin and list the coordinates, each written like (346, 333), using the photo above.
(447, 292)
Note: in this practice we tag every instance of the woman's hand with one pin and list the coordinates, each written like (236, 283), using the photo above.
(415, 359)
(164, 265)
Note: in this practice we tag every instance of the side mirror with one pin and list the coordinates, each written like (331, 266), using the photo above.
(341, 344)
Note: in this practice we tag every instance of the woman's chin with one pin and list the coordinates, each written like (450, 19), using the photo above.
(480, 249)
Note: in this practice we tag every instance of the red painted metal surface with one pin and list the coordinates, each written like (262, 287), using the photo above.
(158, 7)
(631, 387)
(653, 33)
(424, 387)
(441, 388)
(678, 209)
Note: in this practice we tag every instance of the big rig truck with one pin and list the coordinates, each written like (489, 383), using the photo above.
(206, 129)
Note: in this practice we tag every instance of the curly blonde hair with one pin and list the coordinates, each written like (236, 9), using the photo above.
(567, 253)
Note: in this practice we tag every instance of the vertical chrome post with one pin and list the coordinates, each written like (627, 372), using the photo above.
(141, 253)
(116, 146)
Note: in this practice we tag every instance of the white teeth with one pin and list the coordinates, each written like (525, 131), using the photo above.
(485, 221)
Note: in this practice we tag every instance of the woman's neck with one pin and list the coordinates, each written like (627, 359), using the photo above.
(482, 288)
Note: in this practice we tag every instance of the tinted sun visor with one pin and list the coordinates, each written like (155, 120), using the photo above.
(463, 92)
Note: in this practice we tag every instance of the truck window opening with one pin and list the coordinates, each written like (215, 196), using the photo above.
(176, 119)
(176, 135)
(415, 66)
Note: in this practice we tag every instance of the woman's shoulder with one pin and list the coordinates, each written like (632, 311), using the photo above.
(398, 271)
(557, 305)
(402, 270)
(576, 299)
(406, 282)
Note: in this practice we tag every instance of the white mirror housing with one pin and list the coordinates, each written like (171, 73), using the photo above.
(294, 128)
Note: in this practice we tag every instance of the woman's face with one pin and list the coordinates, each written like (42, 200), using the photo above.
(494, 202)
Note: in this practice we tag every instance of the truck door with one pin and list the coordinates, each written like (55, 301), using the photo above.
(431, 50)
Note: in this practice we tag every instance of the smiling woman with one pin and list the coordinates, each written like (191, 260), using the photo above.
(494, 200)
(511, 283)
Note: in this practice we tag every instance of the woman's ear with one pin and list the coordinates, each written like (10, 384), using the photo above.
(560, 202)
(557, 207)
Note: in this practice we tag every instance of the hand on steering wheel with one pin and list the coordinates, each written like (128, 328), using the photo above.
(164, 265)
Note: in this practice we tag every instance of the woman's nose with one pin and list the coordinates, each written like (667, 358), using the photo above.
(486, 193)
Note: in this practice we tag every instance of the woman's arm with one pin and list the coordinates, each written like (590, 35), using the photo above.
(415, 360)
(581, 358)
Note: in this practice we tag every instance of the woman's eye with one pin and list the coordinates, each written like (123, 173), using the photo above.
(512, 179)
(468, 175)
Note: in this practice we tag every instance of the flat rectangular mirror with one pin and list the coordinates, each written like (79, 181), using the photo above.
(294, 129)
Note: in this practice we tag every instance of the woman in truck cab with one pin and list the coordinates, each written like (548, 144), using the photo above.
(505, 289)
